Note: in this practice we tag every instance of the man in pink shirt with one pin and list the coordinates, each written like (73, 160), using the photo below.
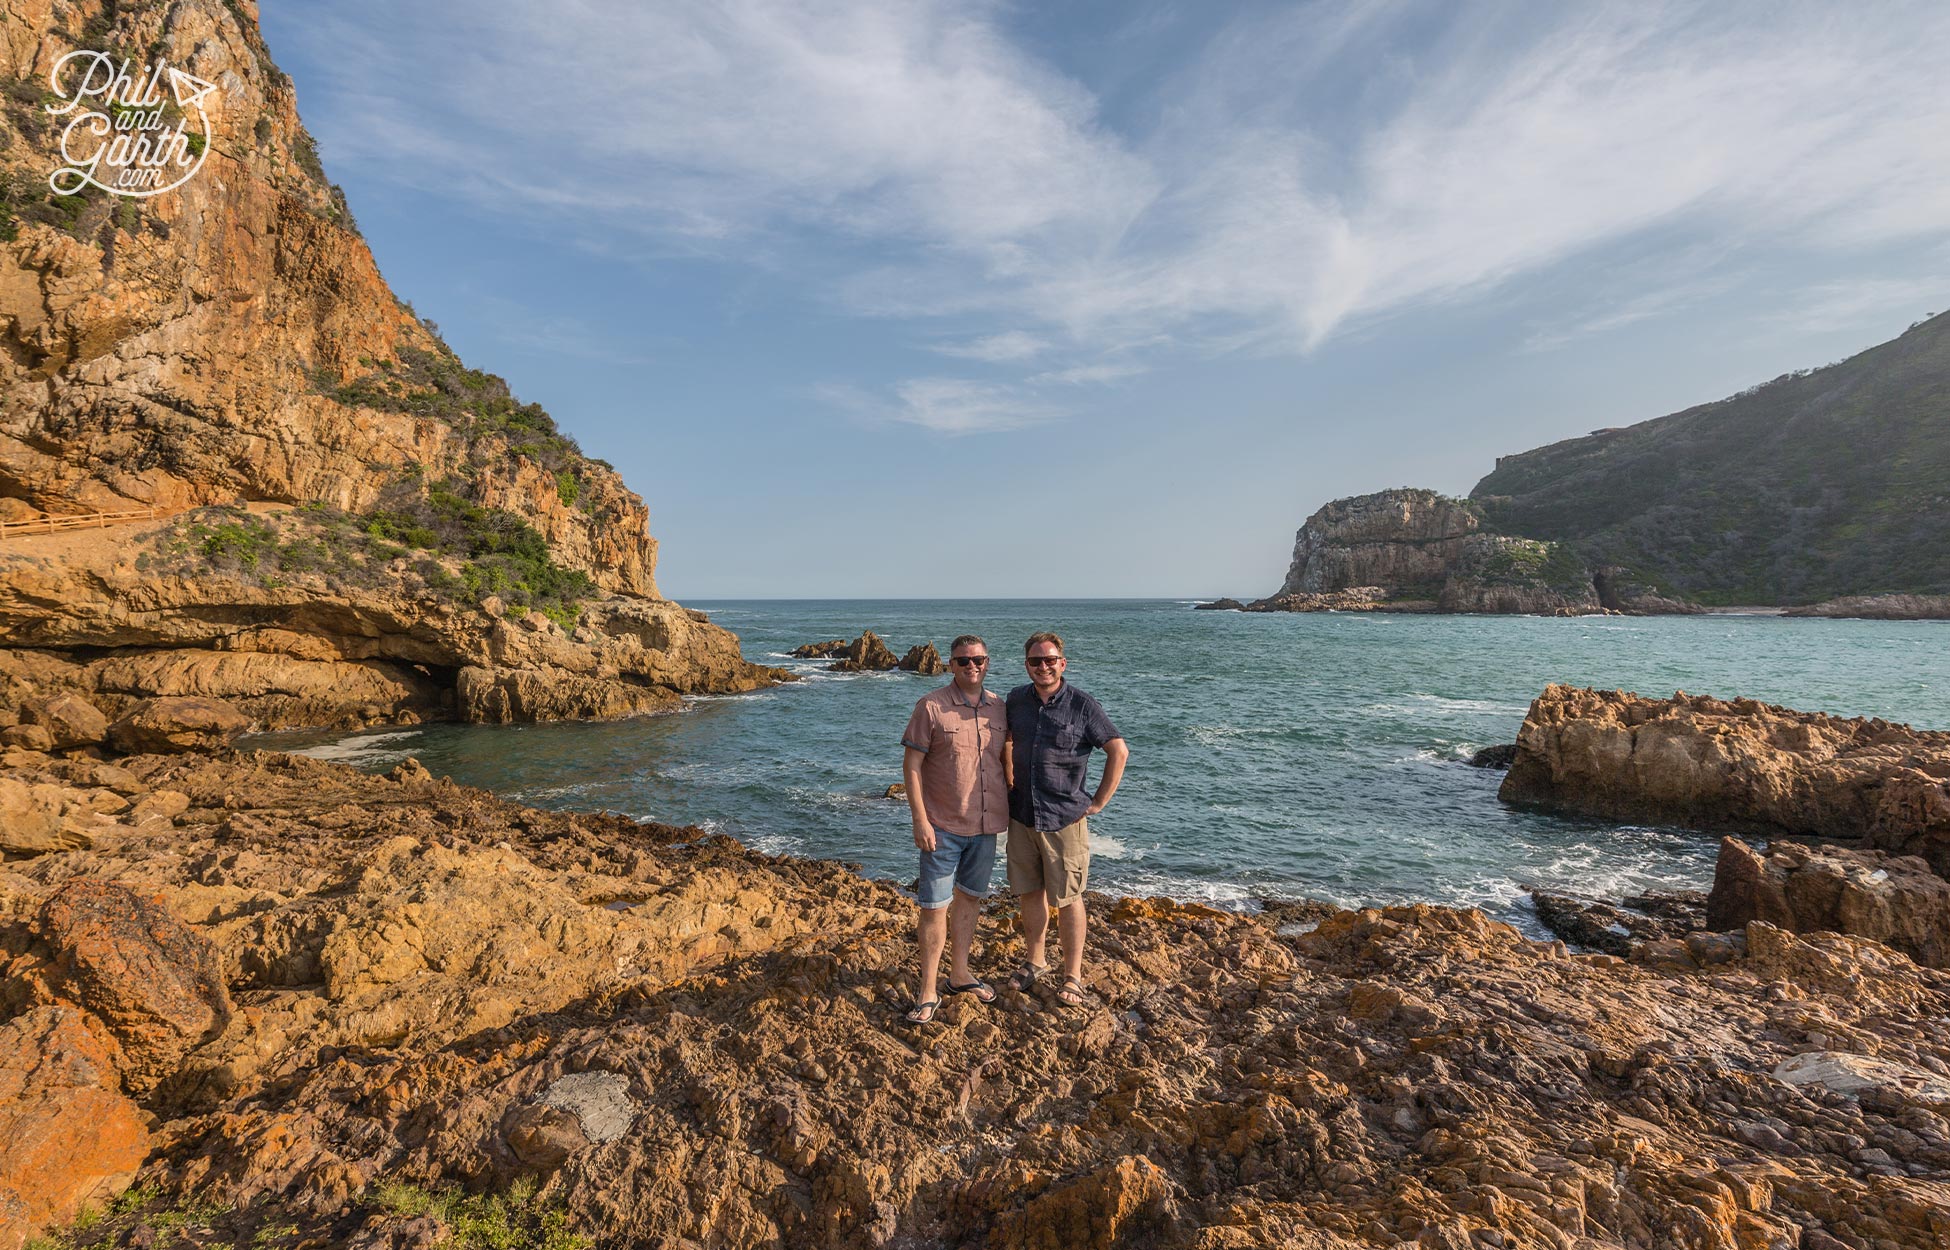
(960, 802)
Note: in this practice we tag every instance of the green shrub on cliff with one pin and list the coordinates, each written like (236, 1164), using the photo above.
(493, 552)
(1528, 562)
(436, 384)
(515, 1220)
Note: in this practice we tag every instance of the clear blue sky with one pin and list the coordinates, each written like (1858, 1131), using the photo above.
(1103, 298)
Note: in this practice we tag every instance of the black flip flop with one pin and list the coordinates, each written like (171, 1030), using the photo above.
(930, 1006)
(982, 990)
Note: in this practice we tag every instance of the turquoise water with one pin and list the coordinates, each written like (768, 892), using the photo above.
(1272, 756)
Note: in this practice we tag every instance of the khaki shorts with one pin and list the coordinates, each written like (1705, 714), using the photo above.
(1056, 863)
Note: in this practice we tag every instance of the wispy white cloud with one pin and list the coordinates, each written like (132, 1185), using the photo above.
(1306, 170)
(1672, 295)
(953, 406)
(996, 348)
(1101, 372)
(1829, 305)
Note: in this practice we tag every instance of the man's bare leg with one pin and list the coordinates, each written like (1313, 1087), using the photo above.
(1070, 928)
(963, 911)
(933, 932)
(1035, 927)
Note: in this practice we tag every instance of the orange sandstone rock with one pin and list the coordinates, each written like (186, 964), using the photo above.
(68, 1136)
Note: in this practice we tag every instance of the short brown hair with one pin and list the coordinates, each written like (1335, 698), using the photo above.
(1043, 637)
(966, 640)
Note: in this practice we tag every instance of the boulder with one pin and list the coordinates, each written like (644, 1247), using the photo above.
(1615, 928)
(159, 805)
(1220, 605)
(923, 659)
(27, 738)
(154, 986)
(500, 696)
(1893, 899)
(1855, 1076)
(31, 818)
(173, 725)
(867, 653)
(70, 721)
(820, 650)
(72, 1139)
(410, 771)
(1502, 755)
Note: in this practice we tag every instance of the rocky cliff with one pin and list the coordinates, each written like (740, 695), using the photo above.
(231, 342)
(1416, 550)
(293, 1005)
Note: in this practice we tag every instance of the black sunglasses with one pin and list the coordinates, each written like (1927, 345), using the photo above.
(1036, 660)
(972, 661)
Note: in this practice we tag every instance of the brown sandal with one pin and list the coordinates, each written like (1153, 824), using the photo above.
(1024, 978)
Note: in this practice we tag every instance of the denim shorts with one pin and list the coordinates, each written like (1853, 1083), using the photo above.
(956, 862)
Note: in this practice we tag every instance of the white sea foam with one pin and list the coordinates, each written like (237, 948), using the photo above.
(1103, 847)
(809, 797)
(774, 843)
(1142, 883)
(1213, 736)
(363, 748)
(1437, 705)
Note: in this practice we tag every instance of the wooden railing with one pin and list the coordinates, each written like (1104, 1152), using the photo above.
(86, 521)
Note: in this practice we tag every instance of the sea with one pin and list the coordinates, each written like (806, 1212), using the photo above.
(1273, 756)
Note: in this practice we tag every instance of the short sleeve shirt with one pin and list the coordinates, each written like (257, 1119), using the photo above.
(1053, 742)
(961, 779)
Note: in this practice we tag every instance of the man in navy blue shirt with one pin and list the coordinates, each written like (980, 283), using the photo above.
(1053, 727)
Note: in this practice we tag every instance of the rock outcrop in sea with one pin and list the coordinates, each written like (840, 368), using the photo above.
(1415, 550)
(348, 524)
(1737, 766)
(922, 658)
(869, 653)
(306, 995)
(1880, 608)
(866, 654)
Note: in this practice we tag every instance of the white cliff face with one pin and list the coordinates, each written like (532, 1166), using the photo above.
(1397, 539)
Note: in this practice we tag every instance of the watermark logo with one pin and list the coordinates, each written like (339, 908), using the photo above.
(130, 131)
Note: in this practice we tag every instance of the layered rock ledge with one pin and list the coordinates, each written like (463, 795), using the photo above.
(308, 984)
(1735, 766)
(93, 615)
